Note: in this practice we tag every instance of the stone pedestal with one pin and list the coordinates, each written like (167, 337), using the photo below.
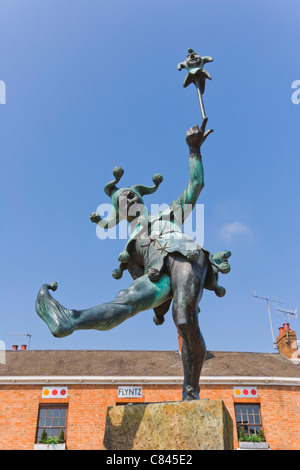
(189, 425)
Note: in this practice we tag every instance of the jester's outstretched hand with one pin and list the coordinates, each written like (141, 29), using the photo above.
(195, 137)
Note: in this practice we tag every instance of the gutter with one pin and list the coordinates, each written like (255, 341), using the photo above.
(140, 380)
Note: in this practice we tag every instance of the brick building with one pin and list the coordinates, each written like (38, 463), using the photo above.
(71, 390)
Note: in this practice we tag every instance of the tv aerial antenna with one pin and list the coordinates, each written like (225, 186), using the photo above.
(288, 314)
(28, 335)
(268, 300)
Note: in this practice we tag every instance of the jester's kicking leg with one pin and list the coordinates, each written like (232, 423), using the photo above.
(141, 295)
(184, 283)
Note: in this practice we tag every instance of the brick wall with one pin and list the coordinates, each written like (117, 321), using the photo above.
(87, 405)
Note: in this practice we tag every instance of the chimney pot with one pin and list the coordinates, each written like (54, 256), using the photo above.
(23, 347)
(287, 343)
(15, 347)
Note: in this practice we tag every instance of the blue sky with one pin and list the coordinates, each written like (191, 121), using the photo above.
(91, 85)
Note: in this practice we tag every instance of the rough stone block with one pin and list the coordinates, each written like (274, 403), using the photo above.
(185, 425)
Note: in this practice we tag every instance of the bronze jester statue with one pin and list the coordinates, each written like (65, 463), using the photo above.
(166, 265)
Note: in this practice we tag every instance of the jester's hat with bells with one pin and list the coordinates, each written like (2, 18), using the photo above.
(114, 192)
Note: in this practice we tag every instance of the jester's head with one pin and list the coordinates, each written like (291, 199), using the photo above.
(127, 203)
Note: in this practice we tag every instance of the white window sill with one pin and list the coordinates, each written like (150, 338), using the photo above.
(49, 447)
(244, 445)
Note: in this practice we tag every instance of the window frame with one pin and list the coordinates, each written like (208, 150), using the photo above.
(247, 425)
(47, 406)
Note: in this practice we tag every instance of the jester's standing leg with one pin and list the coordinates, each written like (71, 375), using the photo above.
(187, 283)
(141, 295)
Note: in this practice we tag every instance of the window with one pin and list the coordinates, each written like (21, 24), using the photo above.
(248, 419)
(52, 418)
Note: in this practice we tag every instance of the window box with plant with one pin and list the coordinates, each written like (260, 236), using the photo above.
(51, 442)
(254, 441)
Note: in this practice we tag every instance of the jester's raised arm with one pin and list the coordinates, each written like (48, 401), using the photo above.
(194, 138)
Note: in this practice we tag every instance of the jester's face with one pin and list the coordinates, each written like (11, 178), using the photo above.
(193, 60)
(130, 205)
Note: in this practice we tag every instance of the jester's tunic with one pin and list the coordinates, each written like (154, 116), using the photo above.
(157, 241)
(155, 237)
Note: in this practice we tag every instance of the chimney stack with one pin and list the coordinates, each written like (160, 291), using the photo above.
(287, 343)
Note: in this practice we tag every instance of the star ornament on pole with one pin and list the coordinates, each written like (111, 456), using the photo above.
(196, 74)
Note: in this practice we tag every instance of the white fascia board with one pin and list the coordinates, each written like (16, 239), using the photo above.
(105, 380)
(250, 380)
(139, 380)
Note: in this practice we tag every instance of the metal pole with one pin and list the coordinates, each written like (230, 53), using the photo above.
(271, 300)
(200, 99)
(271, 323)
